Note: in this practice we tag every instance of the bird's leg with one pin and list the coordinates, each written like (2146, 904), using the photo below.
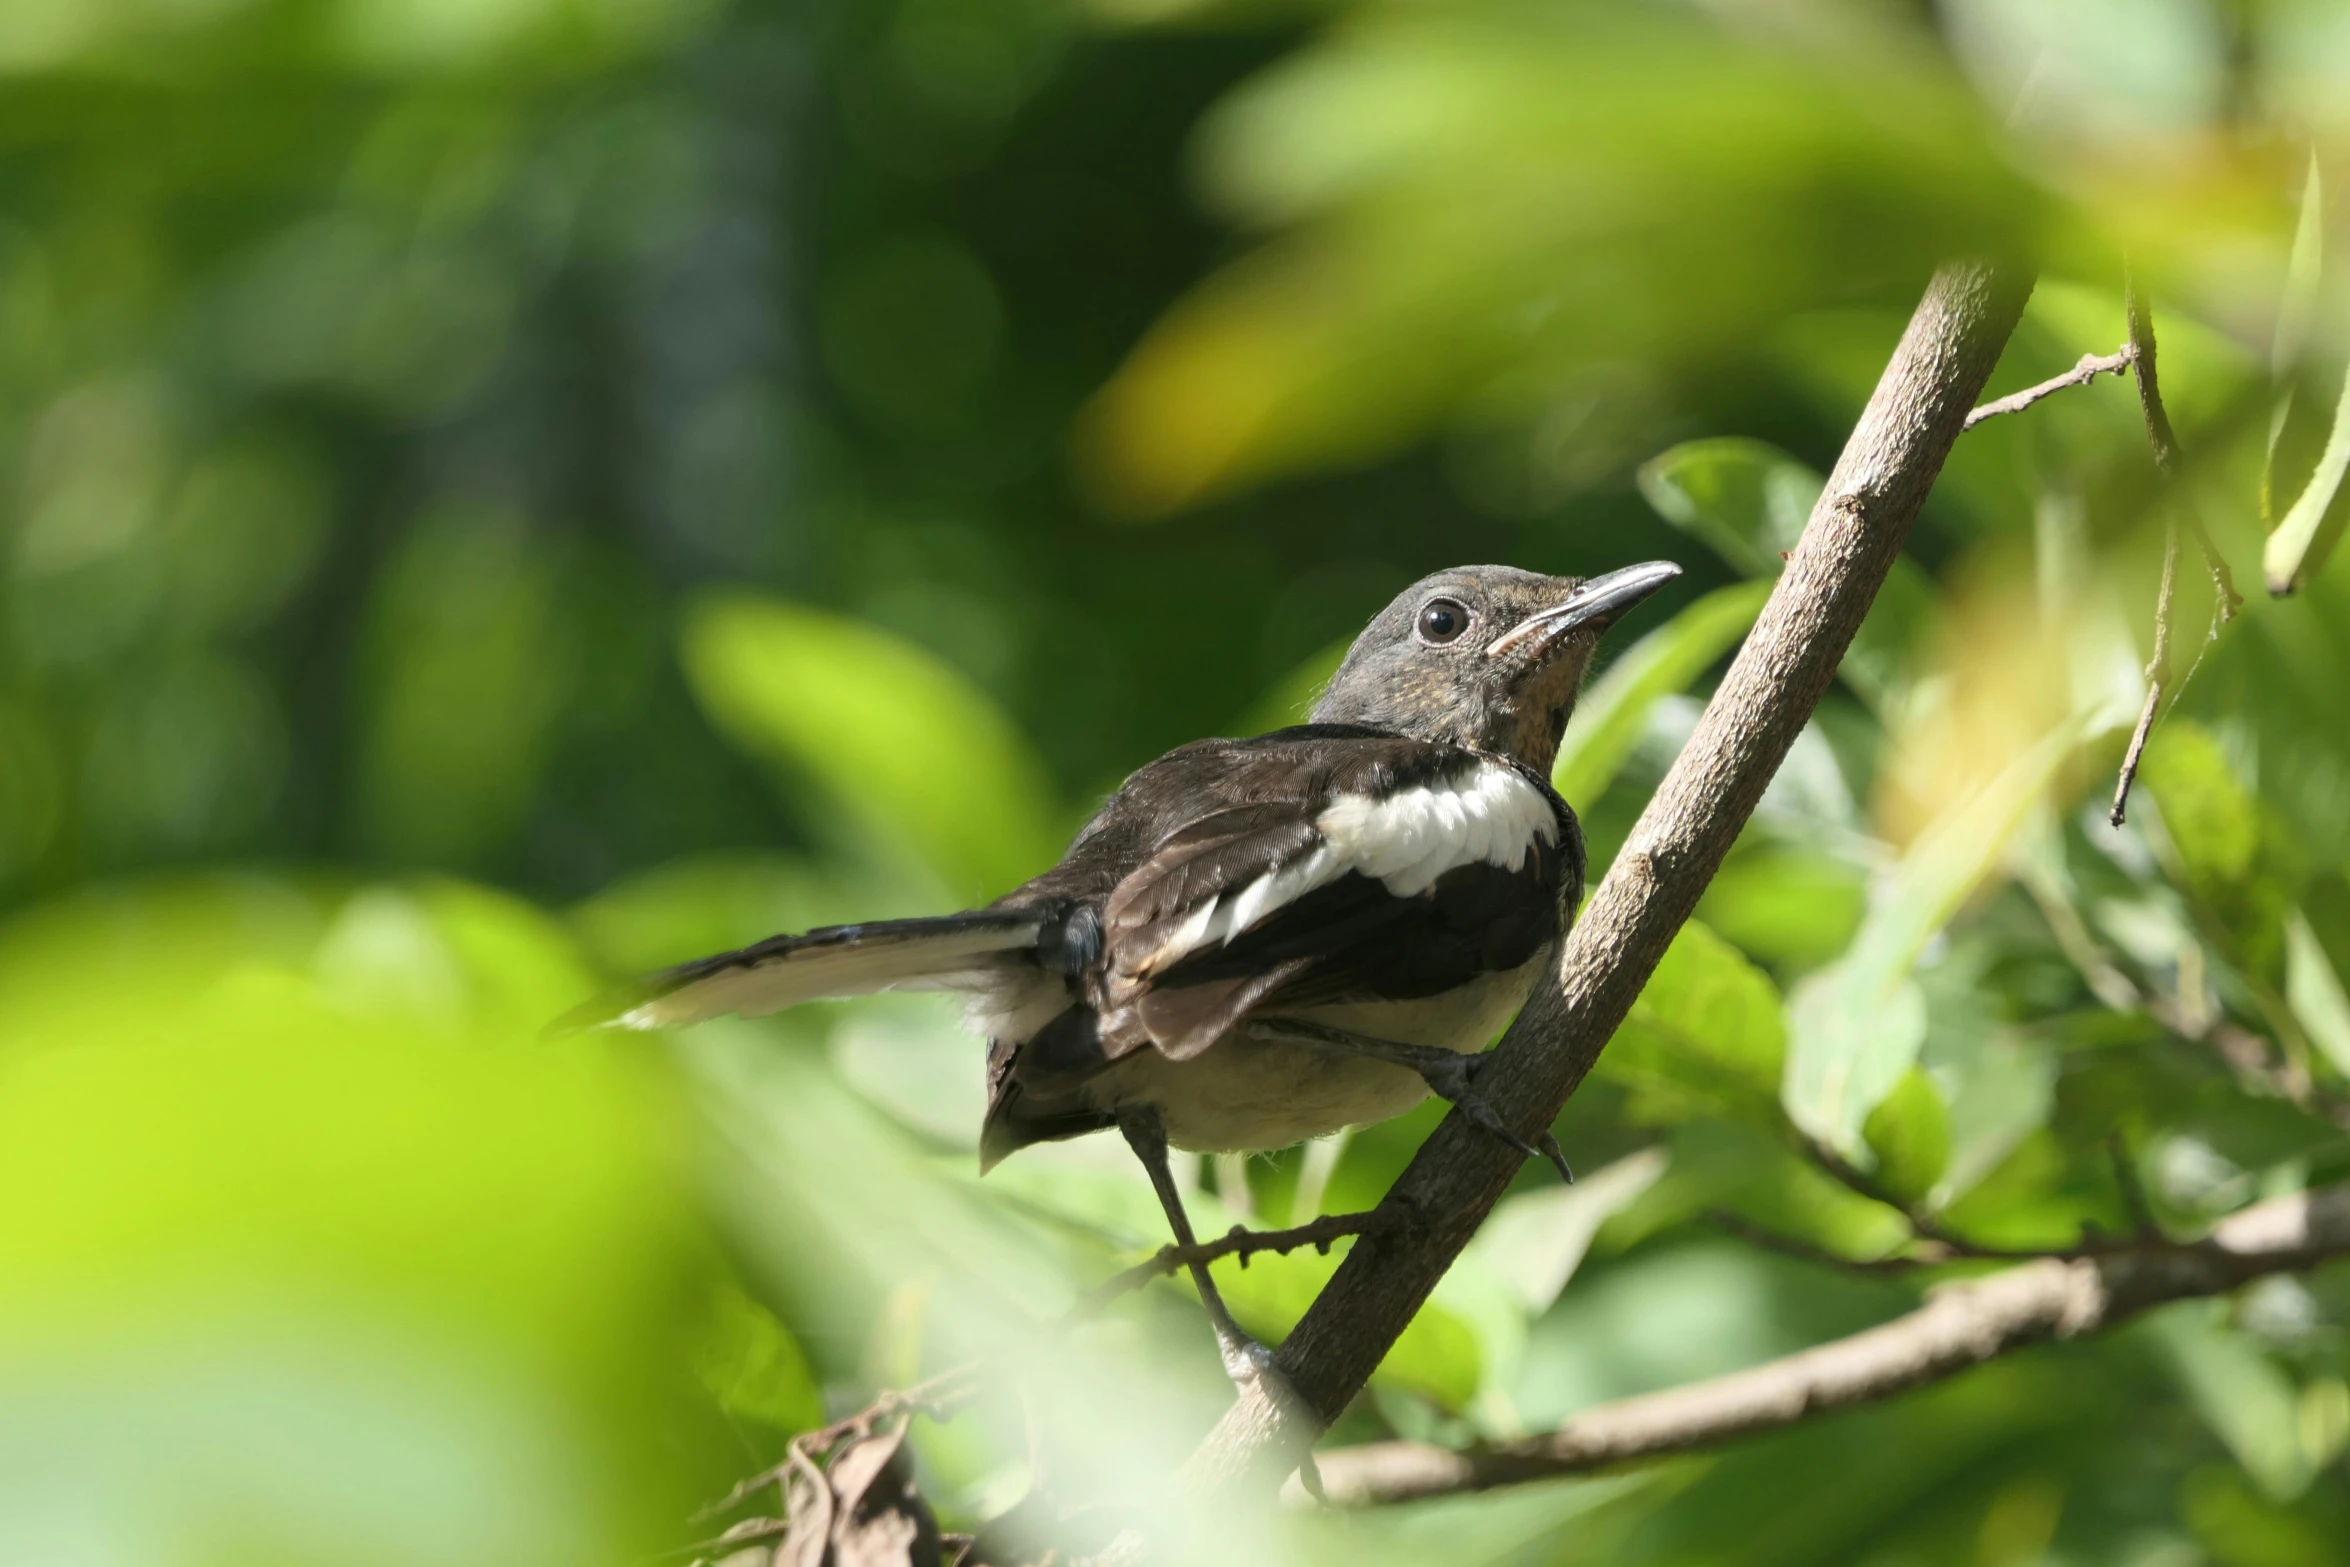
(1449, 1074)
(1244, 1357)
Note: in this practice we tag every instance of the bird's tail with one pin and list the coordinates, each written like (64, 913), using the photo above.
(950, 952)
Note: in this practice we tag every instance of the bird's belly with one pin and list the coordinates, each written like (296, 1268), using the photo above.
(1251, 1091)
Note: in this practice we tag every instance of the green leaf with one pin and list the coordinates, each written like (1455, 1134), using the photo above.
(1857, 1026)
(1749, 501)
(2314, 991)
(753, 1366)
(1751, 1171)
(2242, 1396)
(1438, 1356)
(1786, 905)
(1535, 1240)
(2296, 548)
(2000, 1094)
(898, 742)
(1609, 717)
(1706, 1036)
(1745, 499)
(1899, 621)
(2296, 312)
(2223, 845)
(1909, 1135)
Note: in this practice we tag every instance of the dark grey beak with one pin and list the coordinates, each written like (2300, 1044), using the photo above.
(1600, 602)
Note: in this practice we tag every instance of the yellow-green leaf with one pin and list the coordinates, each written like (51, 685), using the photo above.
(1609, 717)
(897, 741)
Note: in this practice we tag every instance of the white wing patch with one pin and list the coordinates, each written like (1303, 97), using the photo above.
(1407, 840)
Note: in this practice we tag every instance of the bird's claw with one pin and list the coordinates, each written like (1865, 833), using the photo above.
(1452, 1080)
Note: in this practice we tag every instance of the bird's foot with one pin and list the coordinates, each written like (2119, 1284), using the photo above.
(1250, 1365)
(1245, 1360)
(1452, 1078)
(1450, 1074)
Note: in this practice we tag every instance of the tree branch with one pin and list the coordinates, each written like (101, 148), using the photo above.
(1778, 677)
(2089, 369)
(1960, 1326)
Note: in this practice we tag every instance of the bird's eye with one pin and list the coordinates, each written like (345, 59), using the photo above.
(1442, 621)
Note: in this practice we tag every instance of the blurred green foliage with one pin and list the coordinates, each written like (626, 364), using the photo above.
(499, 496)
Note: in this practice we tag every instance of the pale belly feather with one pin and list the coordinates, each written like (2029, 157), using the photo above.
(1250, 1091)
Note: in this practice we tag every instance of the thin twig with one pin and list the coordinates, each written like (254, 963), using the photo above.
(2167, 464)
(2089, 369)
(2157, 674)
(1959, 1326)
(1236, 1242)
(1804, 1251)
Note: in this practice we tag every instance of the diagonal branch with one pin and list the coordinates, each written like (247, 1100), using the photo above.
(1778, 677)
(1960, 1326)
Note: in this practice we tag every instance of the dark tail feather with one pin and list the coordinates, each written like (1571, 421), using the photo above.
(950, 952)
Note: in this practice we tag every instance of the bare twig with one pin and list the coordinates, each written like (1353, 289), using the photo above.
(2225, 599)
(2089, 369)
(1804, 1251)
(2157, 675)
(1777, 679)
(1236, 1242)
(1960, 1326)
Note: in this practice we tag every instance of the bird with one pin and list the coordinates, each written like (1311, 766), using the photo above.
(1258, 941)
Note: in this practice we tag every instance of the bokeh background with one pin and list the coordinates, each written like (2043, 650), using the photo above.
(500, 495)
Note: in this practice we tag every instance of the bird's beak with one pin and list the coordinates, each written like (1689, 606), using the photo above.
(1598, 602)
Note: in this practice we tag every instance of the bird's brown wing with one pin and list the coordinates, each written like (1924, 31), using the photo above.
(1348, 869)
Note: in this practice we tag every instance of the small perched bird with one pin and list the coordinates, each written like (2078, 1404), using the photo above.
(1255, 942)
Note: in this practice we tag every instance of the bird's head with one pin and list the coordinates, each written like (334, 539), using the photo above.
(1484, 656)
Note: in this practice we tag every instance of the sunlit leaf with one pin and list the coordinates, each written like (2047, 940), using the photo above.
(2295, 548)
(1705, 1034)
(1909, 1136)
(1535, 1240)
(2314, 991)
(1855, 1028)
(897, 740)
(754, 1367)
(1748, 501)
(1745, 499)
(1466, 221)
(277, 1271)
(2004, 1092)
(2296, 314)
(1787, 906)
(1609, 717)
